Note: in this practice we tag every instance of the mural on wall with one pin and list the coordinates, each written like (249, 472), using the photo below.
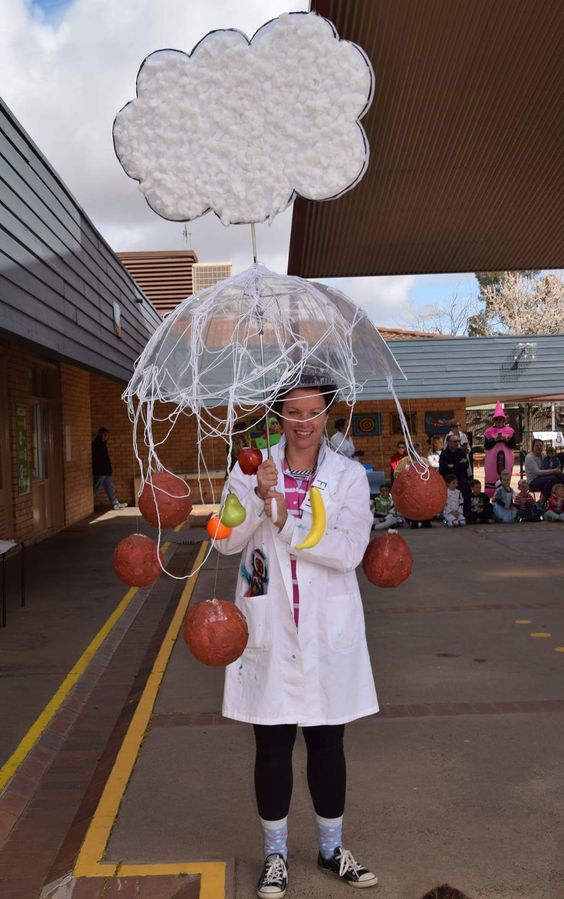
(438, 422)
(395, 424)
(366, 424)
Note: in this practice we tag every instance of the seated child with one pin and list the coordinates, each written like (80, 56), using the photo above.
(555, 508)
(503, 506)
(452, 513)
(385, 515)
(480, 506)
(525, 504)
(551, 461)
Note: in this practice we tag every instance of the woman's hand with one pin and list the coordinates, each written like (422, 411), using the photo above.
(281, 510)
(267, 478)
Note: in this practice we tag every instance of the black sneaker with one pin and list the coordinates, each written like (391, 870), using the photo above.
(273, 882)
(344, 866)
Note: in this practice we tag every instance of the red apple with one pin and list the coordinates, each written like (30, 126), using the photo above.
(249, 459)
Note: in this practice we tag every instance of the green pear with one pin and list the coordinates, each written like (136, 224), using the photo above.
(233, 512)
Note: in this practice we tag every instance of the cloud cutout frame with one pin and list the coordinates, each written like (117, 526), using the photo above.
(278, 116)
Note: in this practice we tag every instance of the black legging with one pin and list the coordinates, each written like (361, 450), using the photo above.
(326, 769)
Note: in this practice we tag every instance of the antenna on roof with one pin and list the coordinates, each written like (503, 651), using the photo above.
(187, 235)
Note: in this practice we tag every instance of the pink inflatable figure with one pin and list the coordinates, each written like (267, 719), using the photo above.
(499, 443)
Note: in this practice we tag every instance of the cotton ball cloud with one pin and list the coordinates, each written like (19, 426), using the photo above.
(242, 127)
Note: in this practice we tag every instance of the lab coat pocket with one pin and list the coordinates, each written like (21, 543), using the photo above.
(344, 621)
(257, 611)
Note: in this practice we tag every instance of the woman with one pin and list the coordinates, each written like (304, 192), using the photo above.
(399, 455)
(306, 662)
(435, 450)
(540, 478)
(343, 444)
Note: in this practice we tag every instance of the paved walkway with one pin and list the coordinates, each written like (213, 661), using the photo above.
(458, 780)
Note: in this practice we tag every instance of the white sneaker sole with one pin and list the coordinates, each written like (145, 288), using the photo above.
(360, 885)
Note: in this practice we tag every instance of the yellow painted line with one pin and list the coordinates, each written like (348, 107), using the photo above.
(559, 649)
(212, 874)
(22, 751)
(540, 634)
(89, 862)
(523, 621)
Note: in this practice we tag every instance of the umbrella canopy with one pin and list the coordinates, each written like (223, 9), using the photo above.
(208, 351)
(238, 344)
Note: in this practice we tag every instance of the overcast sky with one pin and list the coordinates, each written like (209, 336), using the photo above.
(66, 68)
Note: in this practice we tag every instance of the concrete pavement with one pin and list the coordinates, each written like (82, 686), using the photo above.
(459, 780)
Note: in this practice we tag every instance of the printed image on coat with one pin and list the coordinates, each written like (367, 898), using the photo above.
(257, 577)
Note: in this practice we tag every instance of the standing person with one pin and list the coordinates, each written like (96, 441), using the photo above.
(540, 478)
(435, 451)
(454, 460)
(400, 453)
(504, 508)
(306, 663)
(102, 468)
(455, 429)
(499, 443)
(343, 444)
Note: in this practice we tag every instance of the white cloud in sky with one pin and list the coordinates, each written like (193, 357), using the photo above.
(387, 299)
(65, 83)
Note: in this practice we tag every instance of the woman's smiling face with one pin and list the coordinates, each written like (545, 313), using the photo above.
(304, 417)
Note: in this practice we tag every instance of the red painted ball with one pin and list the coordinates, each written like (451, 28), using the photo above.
(387, 561)
(419, 495)
(170, 495)
(136, 562)
(216, 632)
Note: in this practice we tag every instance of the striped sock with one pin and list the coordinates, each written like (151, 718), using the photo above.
(330, 834)
(275, 836)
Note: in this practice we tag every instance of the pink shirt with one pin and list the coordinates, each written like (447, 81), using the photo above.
(295, 491)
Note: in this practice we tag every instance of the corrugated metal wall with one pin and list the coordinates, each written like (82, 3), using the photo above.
(58, 277)
(476, 367)
(465, 136)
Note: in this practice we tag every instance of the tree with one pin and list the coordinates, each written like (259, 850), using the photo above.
(490, 283)
(524, 304)
(451, 318)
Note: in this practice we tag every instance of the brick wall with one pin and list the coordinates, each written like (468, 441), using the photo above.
(178, 452)
(378, 450)
(75, 420)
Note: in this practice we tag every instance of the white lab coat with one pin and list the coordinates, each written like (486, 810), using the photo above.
(321, 672)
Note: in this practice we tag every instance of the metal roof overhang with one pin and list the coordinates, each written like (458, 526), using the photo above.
(465, 135)
(482, 369)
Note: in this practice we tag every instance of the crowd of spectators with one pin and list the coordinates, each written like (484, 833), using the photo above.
(540, 494)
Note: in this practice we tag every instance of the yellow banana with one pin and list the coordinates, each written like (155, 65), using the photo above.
(319, 520)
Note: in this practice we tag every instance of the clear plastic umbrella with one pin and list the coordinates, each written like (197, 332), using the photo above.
(232, 348)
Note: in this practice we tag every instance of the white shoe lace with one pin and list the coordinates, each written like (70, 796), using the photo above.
(275, 872)
(348, 863)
